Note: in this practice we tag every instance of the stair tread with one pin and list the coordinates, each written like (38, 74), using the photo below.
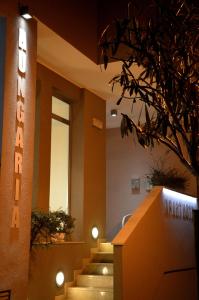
(90, 293)
(97, 268)
(108, 289)
(94, 280)
(94, 275)
(103, 257)
(98, 263)
(103, 252)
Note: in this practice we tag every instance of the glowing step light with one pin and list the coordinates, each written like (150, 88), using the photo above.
(59, 279)
(95, 232)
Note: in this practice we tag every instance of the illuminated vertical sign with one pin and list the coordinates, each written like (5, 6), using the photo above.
(19, 136)
(2, 64)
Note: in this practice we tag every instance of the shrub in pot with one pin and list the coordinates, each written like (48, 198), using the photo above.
(47, 227)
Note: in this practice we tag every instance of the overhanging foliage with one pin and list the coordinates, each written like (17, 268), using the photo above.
(167, 51)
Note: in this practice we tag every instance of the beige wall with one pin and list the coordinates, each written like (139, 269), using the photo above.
(48, 84)
(14, 243)
(150, 244)
(88, 180)
(125, 160)
(88, 166)
(94, 165)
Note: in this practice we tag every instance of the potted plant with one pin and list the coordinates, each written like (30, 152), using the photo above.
(168, 177)
(46, 227)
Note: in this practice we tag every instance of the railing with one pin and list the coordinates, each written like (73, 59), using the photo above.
(125, 219)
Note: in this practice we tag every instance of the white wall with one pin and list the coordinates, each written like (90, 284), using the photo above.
(125, 160)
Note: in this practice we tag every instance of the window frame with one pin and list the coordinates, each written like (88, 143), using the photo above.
(60, 97)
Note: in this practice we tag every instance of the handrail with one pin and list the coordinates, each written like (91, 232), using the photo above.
(123, 235)
(125, 219)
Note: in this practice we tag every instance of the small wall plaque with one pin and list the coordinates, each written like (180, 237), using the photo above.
(135, 185)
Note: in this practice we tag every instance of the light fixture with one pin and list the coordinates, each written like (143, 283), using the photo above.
(59, 279)
(24, 12)
(95, 232)
(105, 271)
(113, 112)
(178, 197)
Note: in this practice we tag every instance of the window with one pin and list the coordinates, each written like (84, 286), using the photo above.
(59, 164)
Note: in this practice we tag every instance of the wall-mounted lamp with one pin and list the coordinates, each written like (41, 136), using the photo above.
(113, 112)
(59, 279)
(95, 232)
(24, 12)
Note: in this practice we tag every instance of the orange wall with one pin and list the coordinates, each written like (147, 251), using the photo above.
(75, 21)
(14, 243)
(47, 261)
(94, 165)
(88, 166)
(88, 181)
(48, 83)
(126, 160)
(150, 244)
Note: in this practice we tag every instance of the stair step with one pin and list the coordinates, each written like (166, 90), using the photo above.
(104, 281)
(60, 297)
(102, 257)
(85, 293)
(106, 247)
(99, 269)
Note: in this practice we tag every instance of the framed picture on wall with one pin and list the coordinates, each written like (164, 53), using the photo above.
(135, 185)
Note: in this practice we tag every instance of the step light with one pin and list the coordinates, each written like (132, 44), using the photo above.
(95, 232)
(59, 279)
(105, 271)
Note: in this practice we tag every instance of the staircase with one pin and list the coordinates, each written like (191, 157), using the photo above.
(95, 280)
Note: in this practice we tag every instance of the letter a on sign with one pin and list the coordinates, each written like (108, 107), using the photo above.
(15, 217)
(22, 39)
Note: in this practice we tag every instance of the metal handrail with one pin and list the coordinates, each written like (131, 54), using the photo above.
(125, 219)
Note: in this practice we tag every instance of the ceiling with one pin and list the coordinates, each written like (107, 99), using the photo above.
(61, 57)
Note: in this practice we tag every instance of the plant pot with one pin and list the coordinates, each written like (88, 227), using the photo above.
(58, 237)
